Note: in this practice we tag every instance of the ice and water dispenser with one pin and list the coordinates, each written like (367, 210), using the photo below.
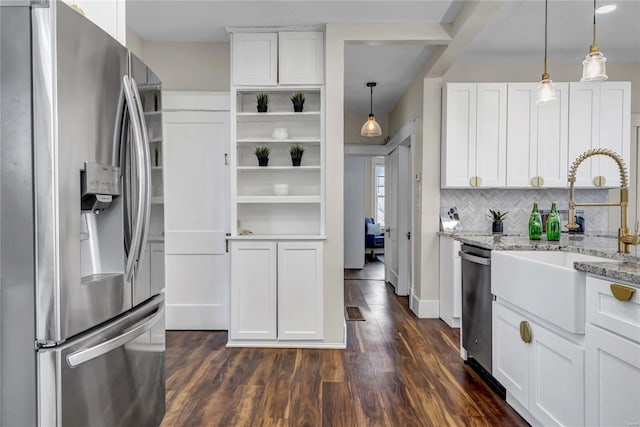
(101, 234)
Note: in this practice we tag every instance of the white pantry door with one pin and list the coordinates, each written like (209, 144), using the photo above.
(197, 208)
(391, 192)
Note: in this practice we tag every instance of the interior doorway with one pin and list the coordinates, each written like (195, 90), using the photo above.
(379, 204)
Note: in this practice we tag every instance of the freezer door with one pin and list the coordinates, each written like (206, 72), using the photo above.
(78, 108)
(113, 376)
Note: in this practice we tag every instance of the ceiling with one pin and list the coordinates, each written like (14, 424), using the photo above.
(392, 66)
(516, 32)
(205, 20)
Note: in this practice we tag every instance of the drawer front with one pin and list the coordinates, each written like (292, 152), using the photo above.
(604, 310)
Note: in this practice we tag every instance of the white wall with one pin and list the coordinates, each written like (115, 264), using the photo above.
(354, 192)
(185, 65)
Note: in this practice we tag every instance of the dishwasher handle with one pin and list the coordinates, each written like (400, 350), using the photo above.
(474, 259)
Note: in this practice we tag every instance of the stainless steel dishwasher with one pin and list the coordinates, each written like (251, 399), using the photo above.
(477, 312)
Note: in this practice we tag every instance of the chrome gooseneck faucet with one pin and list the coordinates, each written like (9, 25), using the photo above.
(625, 239)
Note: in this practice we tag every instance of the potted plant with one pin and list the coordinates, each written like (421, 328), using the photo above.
(263, 102)
(497, 216)
(262, 153)
(298, 101)
(296, 151)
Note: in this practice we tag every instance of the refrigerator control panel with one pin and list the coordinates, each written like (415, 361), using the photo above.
(100, 179)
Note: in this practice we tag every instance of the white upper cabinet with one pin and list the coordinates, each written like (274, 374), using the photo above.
(537, 137)
(301, 58)
(285, 58)
(599, 117)
(254, 59)
(474, 135)
(110, 15)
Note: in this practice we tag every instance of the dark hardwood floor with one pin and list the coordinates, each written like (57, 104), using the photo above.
(397, 370)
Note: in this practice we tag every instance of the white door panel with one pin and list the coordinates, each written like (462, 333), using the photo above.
(196, 219)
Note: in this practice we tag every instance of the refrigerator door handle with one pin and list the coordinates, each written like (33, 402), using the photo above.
(136, 238)
(82, 356)
(146, 173)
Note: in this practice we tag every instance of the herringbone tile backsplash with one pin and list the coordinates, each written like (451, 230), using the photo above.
(473, 207)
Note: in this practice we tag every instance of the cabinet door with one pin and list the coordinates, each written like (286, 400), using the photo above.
(491, 134)
(615, 128)
(301, 57)
(300, 291)
(612, 379)
(109, 15)
(552, 139)
(556, 396)
(510, 353)
(254, 59)
(459, 135)
(253, 290)
(584, 127)
(521, 135)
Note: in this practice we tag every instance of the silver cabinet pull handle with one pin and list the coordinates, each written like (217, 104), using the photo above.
(83, 356)
(474, 259)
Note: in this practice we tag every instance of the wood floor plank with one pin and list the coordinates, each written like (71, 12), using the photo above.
(397, 370)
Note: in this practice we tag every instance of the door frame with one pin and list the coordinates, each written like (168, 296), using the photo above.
(404, 136)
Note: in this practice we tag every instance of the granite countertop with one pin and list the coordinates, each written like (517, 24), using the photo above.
(599, 245)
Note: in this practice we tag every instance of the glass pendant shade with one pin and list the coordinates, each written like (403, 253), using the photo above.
(545, 92)
(371, 127)
(593, 67)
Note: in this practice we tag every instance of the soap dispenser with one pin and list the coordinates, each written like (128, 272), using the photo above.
(553, 224)
(535, 223)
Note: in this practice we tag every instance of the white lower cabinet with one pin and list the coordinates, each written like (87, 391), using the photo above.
(544, 375)
(612, 388)
(450, 281)
(276, 292)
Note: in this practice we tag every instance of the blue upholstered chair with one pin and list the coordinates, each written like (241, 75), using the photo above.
(373, 239)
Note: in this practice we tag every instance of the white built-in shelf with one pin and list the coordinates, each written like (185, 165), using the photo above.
(155, 140)
(155, 238)
(276, 115)
(157, 200)
(278, 237)
(152, 113)
(278, 141)
(278, 168)
(156, 168)
(278, 199)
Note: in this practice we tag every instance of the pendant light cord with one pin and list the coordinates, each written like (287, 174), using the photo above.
(594, 22)
(546, 6)
(371, 108)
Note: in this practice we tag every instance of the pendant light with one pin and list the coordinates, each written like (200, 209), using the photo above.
(545, 92)
(593, 66)
(371, 127)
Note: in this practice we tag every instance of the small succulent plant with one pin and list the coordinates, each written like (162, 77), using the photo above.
(497, 216)
(298, 101)
(262, 151)
(263, 101)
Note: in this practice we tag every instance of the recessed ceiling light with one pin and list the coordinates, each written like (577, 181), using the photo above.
(606, 9)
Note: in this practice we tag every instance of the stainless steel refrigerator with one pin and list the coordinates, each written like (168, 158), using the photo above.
(75, 194)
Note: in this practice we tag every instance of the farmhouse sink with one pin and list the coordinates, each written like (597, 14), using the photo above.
(543, 283)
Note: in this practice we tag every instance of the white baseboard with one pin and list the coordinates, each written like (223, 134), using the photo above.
(196, 317)
(453, 322)
(425, 308)
(287, 344)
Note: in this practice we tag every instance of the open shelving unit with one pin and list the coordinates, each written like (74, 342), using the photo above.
(152, 108)
(255, 206)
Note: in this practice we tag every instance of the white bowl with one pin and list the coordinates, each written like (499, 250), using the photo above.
(280, 189)
(280, 133)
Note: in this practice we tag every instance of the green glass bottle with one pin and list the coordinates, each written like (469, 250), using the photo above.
(553, 224)
(535, 223)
